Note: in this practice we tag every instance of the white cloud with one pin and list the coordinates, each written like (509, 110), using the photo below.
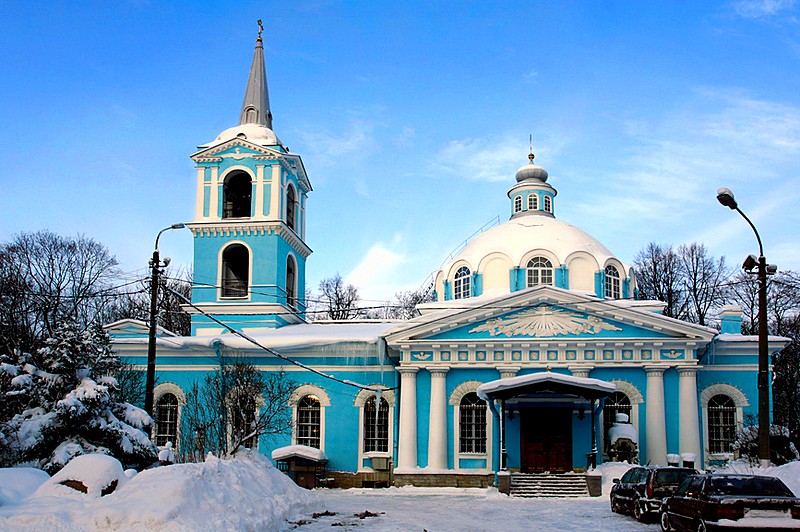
(762, 8)
(378, 274)
(479, 159)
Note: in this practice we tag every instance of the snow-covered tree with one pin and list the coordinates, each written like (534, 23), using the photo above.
(62, 402)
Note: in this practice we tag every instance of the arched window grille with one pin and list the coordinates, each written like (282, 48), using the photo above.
(291, 291)
(166, 420)
(376, 426)
(291, 207)
(540, 271)
(235, 271)
(308, 421)
(617, 403)
(472, 424)
(236, 196)
(517, 203)
(461, 284)
(721, 424)
(533, 202)
(613, 290)
(548, 204)
(242, 414)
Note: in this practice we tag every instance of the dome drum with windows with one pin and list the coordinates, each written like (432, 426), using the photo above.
(533, 248)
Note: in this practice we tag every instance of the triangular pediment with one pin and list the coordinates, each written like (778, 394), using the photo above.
(132, 328)
(233, 148)
(545, 313)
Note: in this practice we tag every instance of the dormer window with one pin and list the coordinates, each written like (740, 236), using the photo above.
(291, 207)
(533, 202)
(236, 196)
(461, 283)
(517, 203)
(540, 271)
(612, 283)
(548, 204)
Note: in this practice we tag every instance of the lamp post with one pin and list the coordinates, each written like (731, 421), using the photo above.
(725, 197)
(155, 265)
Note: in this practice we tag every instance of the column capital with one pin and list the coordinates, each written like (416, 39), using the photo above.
(506, 372)
(688, 371)
(438, 371)
(580, 371)
(407, 370)
(654, 370)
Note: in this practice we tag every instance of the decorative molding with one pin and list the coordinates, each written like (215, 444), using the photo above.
(463, 389)
(630, 390)
(545, 321)
(363, 395)
(738, 396)
(169, 387)
(309, 389)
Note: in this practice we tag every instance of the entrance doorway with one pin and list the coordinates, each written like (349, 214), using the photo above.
(546, 440)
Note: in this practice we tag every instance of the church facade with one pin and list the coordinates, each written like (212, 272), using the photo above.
(531, 345)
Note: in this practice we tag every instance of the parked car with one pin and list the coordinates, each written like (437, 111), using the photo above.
(641, 489)
(735, 502)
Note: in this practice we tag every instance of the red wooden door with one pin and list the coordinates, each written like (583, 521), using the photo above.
(546, 440)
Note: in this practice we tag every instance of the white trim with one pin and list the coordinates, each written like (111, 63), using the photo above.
(163, 389)
(739, 399)
(455, 400)
(324, 402)
(359, 402)
(221, 251)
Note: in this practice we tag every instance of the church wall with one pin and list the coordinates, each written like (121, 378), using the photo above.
(672, 410)
(423, 416)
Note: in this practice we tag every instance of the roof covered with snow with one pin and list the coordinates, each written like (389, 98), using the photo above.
(299, 451)
(544, 381)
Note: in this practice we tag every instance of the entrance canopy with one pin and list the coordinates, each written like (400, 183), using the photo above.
(545, 383)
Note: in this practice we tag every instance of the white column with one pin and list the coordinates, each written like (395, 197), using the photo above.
(407, 444)
(581, 371)
(213, 208)
(689, 417)
(201, 187)
(506, 372)
(437, 429)
(275, 190)
(259, 212)
(656, 427)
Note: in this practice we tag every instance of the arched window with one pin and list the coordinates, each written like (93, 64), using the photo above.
(242, 412)
(236, 193)
(308, 421)
(612, 283)
(548, 204)
(533, 202)
(461, 284)
(291, 207)
(166, 420)
(517, 203)
(376, 426)
(540, 271)
(235, 271)
(291, 290)
(617, 403)
(472, 424)
(721, 424)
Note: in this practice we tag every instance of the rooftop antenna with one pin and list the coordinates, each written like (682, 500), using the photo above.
(260, 29)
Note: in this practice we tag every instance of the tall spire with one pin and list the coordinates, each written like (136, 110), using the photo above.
(255, 109)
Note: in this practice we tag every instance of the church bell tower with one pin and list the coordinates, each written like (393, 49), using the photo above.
(249, 223)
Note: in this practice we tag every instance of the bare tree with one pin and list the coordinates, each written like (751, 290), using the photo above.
(233, 407)
(404, 304)
(704, 281)
(337, 300)
(658, 276)
(46, 279)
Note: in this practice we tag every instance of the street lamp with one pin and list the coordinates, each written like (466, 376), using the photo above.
(155, 265)
(725, 197)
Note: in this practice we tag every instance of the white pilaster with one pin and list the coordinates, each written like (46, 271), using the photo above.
(201, 186)
(259, 212)
(437, 428)
(275, 189)
(690, 420)
(407, 444)
(213, 208)
(656, 427)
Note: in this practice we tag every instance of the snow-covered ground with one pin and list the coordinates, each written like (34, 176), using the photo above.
(250, 494)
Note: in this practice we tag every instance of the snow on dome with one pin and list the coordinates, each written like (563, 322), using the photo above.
(299, 451)
(255, 133)
(531, 171)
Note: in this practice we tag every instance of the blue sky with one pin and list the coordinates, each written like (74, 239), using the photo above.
(412, 119)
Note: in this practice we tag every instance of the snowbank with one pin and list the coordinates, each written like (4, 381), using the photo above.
(788, 473)
(238, 494)
(17, 483)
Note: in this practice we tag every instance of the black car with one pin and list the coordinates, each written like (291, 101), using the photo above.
(641, 489)
(735, 502)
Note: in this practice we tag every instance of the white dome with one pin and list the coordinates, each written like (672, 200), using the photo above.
(255, 133)
(531, 171)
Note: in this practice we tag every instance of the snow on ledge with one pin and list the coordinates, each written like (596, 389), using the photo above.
(301, 451)
(523, 380)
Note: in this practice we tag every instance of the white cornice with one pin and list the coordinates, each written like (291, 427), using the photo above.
(211, 154)
(247, 309)
(250, 226)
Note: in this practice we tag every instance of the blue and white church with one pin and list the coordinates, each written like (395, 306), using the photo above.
(532, 344)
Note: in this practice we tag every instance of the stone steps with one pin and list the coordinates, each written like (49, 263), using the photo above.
(548, 485)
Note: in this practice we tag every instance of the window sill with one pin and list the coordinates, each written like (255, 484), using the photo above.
(378, 454)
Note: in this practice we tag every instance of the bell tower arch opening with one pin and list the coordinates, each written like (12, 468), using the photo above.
(236, 195)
